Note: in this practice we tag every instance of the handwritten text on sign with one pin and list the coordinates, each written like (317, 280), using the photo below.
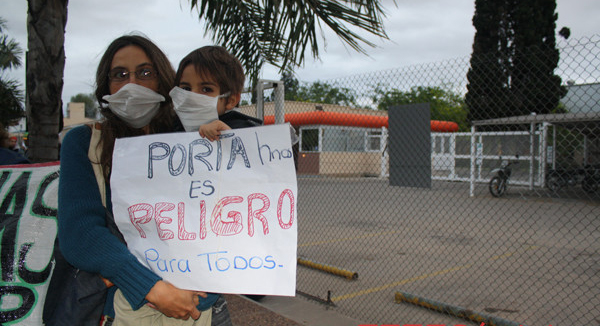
(211, 216)
(28, 201)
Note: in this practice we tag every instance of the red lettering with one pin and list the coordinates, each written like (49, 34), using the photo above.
(258, 214)
(136, 221)
(183, 234)
(159, 208)
(231, 227)
(202, 220)
(290, 195)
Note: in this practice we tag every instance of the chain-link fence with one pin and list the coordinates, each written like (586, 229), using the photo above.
(476, 243)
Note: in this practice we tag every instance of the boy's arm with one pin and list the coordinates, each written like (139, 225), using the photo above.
(212, 130)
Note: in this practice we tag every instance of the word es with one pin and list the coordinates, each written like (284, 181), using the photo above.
(142, 214)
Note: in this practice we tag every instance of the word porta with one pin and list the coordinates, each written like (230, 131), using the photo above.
(202, 151)
(258, 204)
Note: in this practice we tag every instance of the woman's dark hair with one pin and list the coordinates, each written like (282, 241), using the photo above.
(113, 127)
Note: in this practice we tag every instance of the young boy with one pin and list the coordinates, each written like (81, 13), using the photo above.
(209, 83)
(210, 80)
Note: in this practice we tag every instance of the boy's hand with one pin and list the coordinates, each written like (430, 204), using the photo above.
(212, 130)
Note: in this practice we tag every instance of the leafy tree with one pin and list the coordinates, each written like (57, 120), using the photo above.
(90, 103)
(317, 92)
(444, 105)
(291, 85)
(322, 92)
(11, 96)
(513, 60)
(271, 31)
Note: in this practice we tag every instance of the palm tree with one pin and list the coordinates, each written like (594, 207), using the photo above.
(46, 22)
(11, 96)
(257, 32)
(280, 32)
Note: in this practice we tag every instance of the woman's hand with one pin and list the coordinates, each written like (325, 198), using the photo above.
(212, 130)
(174, 302)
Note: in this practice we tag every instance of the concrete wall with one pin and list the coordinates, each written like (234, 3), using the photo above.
(350, 163)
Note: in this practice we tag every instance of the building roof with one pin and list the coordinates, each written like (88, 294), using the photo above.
(587, 123)
(299, 107)
(305, 113)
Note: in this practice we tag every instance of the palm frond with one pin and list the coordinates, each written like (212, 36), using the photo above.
(10, 51)
(280, 32)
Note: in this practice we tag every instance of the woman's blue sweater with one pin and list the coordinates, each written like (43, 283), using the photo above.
(85, 241)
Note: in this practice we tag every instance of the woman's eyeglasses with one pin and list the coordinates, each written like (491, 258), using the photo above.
(122, 74)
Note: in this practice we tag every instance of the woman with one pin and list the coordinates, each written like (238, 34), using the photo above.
(132, 85)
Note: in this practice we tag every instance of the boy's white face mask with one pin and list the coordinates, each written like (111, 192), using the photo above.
(194, 109)
(134, 104)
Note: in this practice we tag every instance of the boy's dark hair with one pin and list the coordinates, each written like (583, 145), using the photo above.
(217, 62)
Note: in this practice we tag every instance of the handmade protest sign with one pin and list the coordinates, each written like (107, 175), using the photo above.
(211, 216)
(28, 211)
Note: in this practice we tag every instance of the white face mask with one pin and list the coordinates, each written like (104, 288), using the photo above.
(134, 104)
(194, 109)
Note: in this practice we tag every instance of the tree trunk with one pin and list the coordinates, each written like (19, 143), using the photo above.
(45, 63)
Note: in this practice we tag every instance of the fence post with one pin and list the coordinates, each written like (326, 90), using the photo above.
(472, 185)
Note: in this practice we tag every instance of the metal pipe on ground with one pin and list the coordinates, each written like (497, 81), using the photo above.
(455, 311)
(329, 269)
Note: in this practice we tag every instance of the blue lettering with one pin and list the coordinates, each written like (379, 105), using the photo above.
(283, 153)
(221, 260)
(162, 268)
(235, 262)
(237, 148)
(200, 156)
(171, 264)
(176, 172)
(257, 266)
(206, 188)
(154, 252)
(269, 259)
(152, 256)
(187, 266)
(152, 157)
(208, 257)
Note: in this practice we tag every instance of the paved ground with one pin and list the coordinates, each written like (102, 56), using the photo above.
(246, 312)
(283, 311)
(530, 257)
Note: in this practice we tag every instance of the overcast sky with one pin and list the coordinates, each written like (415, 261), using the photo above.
(420, 31)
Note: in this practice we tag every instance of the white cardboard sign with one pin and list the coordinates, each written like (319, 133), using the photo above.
(211, 216)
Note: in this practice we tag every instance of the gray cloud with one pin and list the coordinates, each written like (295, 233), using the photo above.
(419, 31)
